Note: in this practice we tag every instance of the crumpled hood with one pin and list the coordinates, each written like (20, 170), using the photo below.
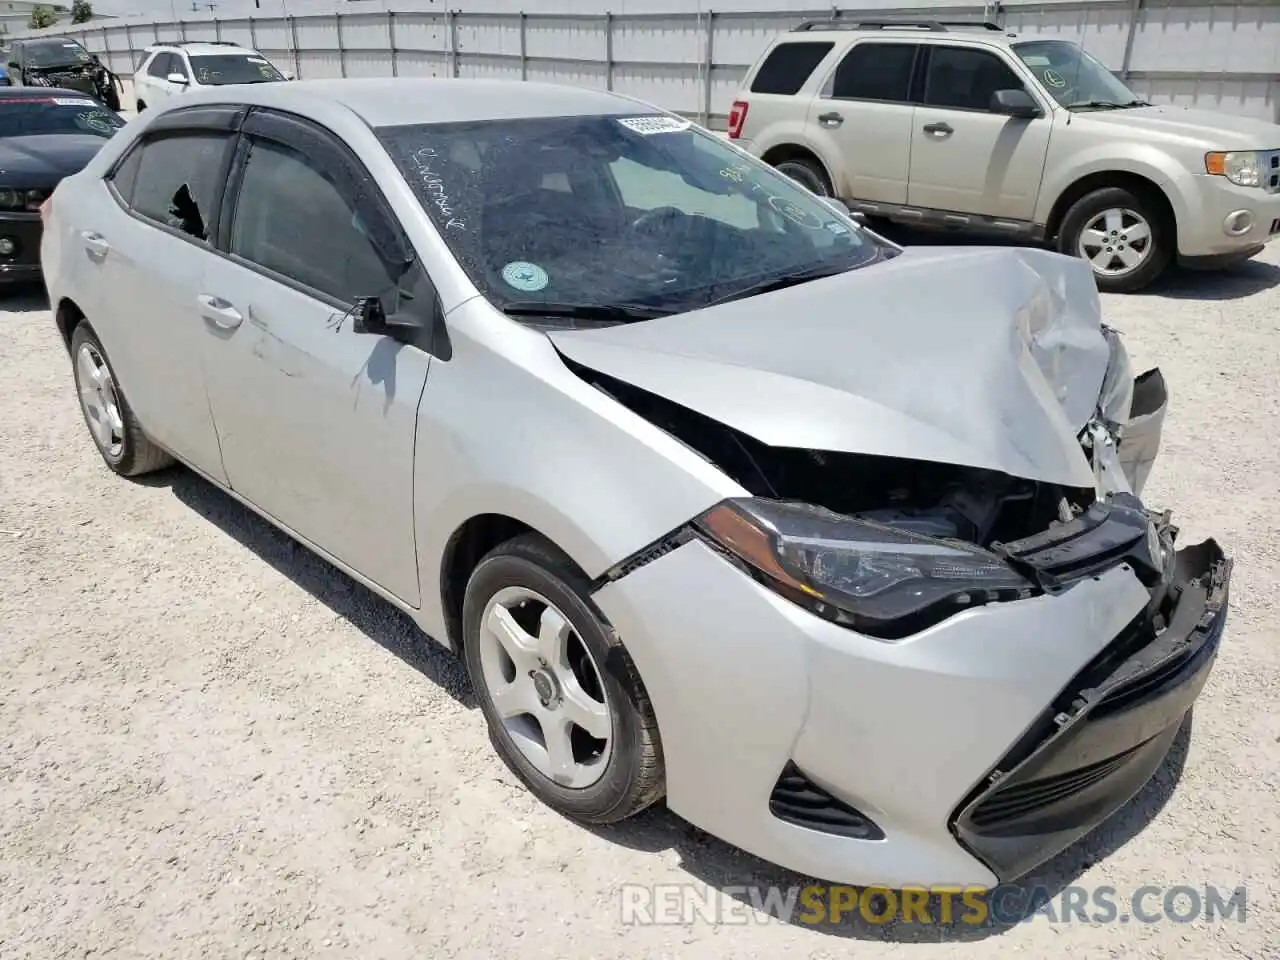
(1216, 131)
(979, 356)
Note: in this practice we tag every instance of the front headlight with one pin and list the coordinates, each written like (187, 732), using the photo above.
(877, 579)
(1243, 168)
(11, 199)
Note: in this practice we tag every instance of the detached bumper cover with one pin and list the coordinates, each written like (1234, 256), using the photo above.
(1103, 739)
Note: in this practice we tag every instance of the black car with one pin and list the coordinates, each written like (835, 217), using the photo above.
(64, 63)
(46, 133)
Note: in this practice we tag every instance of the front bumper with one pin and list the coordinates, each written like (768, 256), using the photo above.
(1202, 226)
(23, 230)
(925, 761)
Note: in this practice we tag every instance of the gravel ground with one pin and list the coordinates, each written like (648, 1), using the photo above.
(214, 745)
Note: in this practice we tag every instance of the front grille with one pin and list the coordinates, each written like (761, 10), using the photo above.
(799, 801)
(1270, 171)
(1025, 799)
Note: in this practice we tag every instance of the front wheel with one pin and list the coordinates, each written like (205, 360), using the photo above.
(1126, 239)
(565, 706)
(112, 99)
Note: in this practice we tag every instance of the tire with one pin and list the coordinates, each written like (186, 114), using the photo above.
(127, 451)
(628, 771)
(112, 99)
(808, 173)
(1113, 215)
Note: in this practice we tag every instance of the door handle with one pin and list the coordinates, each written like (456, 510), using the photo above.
(95, 243)
(940, 129)
(219, 312)
(832, 119)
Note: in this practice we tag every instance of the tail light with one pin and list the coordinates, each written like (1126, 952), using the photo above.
(737, 117)
(46, 209)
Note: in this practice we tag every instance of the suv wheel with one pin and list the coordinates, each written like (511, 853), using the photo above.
(806, 173)
(1126, 239)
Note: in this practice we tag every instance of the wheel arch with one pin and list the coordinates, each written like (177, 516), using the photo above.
(794, 151)
(463, 551)
(67, 317)
(1137, 183)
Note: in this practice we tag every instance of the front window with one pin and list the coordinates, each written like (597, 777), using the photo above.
(56, 53)
(217, 69)
(1074, 78)
(640, 212)
(34, 115)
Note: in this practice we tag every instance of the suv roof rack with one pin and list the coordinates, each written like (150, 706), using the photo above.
(197, 43)
(931, 26)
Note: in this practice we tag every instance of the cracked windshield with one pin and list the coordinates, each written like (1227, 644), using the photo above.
(611, 219)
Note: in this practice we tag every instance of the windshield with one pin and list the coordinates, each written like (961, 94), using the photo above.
(215, 70)
(56, 53)
(632, 211)
(1073, 78)
(30, 115)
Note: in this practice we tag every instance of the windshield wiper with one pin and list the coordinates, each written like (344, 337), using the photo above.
(779, 282)
(605, 312)
(1105, 105)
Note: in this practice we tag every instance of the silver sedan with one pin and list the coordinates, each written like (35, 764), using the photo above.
(722, 497)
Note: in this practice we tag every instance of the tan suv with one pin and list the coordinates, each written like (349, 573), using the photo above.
(963, 126)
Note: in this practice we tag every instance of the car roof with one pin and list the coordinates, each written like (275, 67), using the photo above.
(45, 41)
(396, 101)
(970, 33)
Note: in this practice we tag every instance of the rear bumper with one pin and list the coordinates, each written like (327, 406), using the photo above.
(1096, 746)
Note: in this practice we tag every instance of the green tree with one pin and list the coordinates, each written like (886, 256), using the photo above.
(81, 11)
(41, 17)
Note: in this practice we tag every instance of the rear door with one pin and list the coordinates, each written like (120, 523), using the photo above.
(775, 108)
(863, 117)
(317, 421)
(964, 157)
(146, 243)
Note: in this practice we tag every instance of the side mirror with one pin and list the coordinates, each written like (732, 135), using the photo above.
(177, 78)
(1014, 103)
(369, 317)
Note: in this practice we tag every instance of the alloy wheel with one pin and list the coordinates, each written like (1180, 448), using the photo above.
(545, 687)
(1116, 242)
(100, 401)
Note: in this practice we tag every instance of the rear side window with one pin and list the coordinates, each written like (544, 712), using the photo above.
(178, 181)
(788, 66)
(876, 71)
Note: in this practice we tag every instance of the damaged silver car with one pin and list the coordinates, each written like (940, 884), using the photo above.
(837, 546)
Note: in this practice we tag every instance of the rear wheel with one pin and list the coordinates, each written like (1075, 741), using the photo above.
(808, 173)
(107, 414)
(566, 709)
(1126, 239)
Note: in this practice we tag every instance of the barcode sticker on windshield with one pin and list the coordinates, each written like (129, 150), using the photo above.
(66, 102)
(655, 124)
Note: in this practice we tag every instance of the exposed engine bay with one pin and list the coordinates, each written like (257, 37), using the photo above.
(933, 499)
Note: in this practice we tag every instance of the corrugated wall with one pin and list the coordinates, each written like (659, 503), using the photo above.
(1221, 56)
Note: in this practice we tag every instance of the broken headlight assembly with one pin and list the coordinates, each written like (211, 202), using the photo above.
(879, 580)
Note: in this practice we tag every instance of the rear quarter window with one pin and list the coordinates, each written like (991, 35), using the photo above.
(788, 66)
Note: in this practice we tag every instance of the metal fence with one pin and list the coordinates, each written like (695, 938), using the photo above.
(1222, 56)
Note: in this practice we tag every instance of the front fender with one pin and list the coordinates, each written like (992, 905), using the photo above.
(1151, 163)
(506, 428)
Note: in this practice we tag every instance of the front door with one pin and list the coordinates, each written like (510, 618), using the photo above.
(964, 157)
(317, 422)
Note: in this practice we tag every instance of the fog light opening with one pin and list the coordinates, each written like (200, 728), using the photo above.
(1238, 223)
(7, 247)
